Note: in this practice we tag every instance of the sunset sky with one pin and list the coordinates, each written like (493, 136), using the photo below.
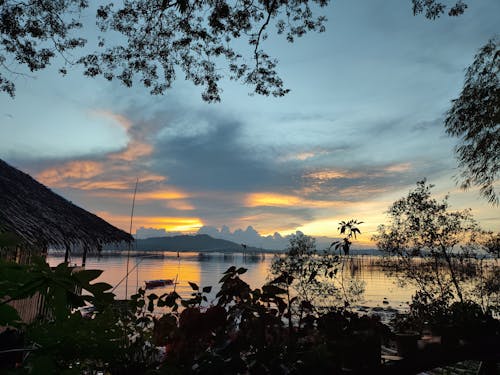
(362, 123)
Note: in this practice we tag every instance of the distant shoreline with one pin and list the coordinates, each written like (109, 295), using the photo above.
(222, 252)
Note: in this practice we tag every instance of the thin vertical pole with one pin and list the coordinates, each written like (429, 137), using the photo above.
(84, 257)
(66, 254)
(130, 232)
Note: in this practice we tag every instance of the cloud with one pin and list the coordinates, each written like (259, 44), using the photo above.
(398, 168)
(169, 223)
(134, 150)
(115, 118)
(219, 159)
(331, 175)
(74, 170)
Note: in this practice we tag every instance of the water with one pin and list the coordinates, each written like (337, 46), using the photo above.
(381, 290)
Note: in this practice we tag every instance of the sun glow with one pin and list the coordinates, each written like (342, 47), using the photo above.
(271, 199)
(169, 223)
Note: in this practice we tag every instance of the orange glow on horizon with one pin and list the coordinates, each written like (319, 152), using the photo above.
(263, 199)
(170, 224)
(271, 199)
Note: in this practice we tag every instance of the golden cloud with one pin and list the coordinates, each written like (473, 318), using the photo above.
(57, 176)
(263, 199)
(180, 205)
(271, 199)
(134, 150)
(170, 224)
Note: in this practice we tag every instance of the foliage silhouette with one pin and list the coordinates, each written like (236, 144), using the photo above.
(154, 39)
(316, 278)
(151, 41)
(433, 9)
(243, 330)
(441, 253)
(474, 118)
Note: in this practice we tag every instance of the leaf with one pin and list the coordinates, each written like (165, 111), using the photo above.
(225, 278)
(241, 270)
(193, 286)
(86, 276)
(273, 290)
(99, 288)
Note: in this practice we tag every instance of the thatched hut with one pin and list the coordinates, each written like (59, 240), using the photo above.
(42, 219)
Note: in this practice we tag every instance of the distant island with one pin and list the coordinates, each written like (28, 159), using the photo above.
(198, 242)
(202, 243)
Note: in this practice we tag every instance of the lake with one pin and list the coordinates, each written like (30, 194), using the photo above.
(381, 290)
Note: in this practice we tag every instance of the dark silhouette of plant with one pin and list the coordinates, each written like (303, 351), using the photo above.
(350, 229)
(437, 250)
(152, 41)
(433, 9)
(474, 119)
(307, 274)
(156, 39)
(244, 331)
(250, 330)
(62, 338)
(316, 278)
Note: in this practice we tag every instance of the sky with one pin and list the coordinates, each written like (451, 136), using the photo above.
(362, 124)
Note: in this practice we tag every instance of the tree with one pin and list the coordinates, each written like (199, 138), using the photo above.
(435, 247)
(433, 9)
(475, 119)
(474, 116)
(151, 41)
(156, 38)
(317, 277)
(310, 274)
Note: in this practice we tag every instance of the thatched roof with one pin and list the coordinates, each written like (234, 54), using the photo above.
(43, 218)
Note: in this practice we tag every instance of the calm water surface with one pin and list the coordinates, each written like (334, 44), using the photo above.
(207, 271)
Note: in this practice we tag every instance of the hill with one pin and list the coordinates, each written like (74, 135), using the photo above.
(199, 242)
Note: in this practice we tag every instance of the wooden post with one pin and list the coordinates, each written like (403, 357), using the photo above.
(84, 257)
(66, 254)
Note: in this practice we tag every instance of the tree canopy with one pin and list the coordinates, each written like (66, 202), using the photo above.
(475, 119)
(444, 242)
(151, 41)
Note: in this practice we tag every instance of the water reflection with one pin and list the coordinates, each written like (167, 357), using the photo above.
(381, 290)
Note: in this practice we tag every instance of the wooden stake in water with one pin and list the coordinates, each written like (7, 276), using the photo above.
(130, 243)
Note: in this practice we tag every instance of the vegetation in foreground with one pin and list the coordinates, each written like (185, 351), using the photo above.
(297, 322)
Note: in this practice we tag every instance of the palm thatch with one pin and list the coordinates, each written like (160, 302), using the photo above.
(41, 218)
